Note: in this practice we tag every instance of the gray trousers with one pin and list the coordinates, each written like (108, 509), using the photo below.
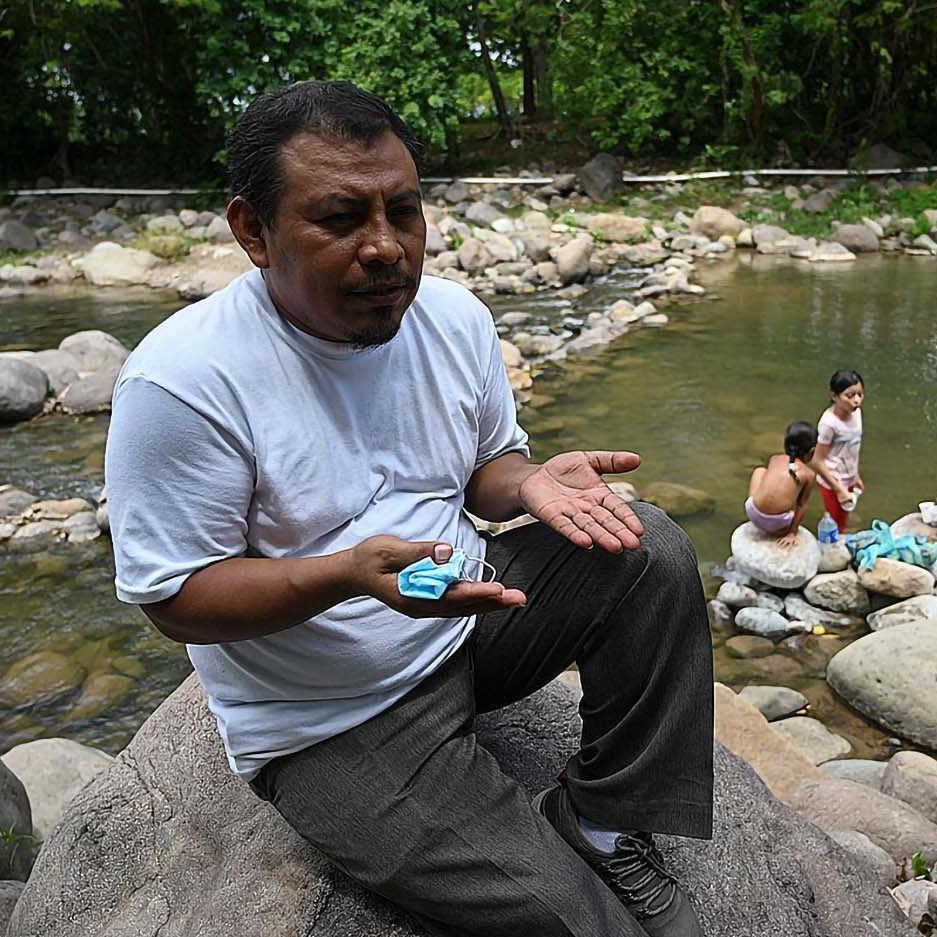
(414, 808)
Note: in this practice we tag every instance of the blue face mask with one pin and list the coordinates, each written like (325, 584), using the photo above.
(426, 579)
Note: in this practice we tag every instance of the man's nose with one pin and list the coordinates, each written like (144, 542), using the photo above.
(379, 244)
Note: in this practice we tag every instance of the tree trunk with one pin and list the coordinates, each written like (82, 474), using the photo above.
(542, 77)
(530, 93)
(504, 120)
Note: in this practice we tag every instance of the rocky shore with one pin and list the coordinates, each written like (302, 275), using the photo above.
(497, 239)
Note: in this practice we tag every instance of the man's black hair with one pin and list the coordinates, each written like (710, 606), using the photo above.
(336, 109)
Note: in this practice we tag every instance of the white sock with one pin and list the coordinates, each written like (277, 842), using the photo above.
(599, 836)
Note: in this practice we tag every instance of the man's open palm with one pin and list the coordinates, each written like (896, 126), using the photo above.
(568, 493)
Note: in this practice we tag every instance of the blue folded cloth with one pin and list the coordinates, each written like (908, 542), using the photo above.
(867, 546)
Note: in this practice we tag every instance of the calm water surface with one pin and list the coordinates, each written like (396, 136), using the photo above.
(703, 401)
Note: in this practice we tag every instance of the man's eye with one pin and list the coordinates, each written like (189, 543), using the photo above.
(339, 218)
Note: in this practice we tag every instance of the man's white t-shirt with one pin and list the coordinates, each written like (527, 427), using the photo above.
(235, 434)
(844, 437)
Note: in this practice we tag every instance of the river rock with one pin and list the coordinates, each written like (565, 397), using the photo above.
(510, 354)
(840, 592)
(482, 213)
(23, 390)
(572, 259)
(679, 500)
(736, 596)
(100, 693)
(813, 739)
(745, 731)
(774, 702)
(91, 394)
(600, 178)
(924, 242)
(759, 555)
(858, 238)
(720, 616)
(918, 608)
(864, 850)
(474, 257)
(537, 246)
(844, 805)
(625, 229)
(769, 600)
(61, 368)
(861, 770)
(109, 264)
(913, 524)
(96, 350)
(834, 557)
(897, 579)
(14, 501)
(713, 222)
(917, 898)
(15, 236)
(830, 252)
(218, 231)
(16, 857)
(797, 608)
(912, 778)
(818, 202)
(762, 622)
(9, 894)
(82, 527)
(57, 510)
(501, 248)
(765, 234)
(53, 771)
(749, 647)
(144, 847)
(39, 678)
(889, 677)
(435, 242)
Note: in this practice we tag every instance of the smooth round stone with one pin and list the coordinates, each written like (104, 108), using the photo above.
(774, 702)
(40, 678)
(861, 770)
(770, 601)
(736, 596)
(763, 622)
(812, 738)
(749, 646)
(720, 615)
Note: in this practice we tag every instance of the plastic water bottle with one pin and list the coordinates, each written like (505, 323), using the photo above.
(827, 530)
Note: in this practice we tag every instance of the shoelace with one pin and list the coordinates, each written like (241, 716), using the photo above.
(638, 873)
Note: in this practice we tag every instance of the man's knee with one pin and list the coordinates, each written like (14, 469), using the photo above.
(670, 552)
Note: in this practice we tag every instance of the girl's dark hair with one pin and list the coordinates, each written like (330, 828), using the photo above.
(799, 438)
(844, 378)
(336, 109)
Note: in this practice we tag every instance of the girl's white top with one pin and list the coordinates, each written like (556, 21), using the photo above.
(844, 437)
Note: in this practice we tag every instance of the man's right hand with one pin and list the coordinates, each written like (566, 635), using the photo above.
(377, 561)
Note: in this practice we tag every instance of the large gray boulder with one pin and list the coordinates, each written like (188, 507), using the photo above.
(60, 367)
(53, 771)
(760, 555)
(15, 236)
(889, 676)
(91, 394)
(95, 350)
(23, 389)
(109, 264)
(600, 178)
(167, 840)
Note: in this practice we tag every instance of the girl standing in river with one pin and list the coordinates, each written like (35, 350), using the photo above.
(840, 438)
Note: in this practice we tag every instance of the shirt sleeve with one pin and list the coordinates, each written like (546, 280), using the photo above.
(498, 429)
(826, 431)
(179, 487)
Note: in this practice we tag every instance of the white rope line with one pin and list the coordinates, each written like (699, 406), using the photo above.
(520, 180)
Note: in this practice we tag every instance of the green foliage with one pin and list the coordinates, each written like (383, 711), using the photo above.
(919, 867)
(145, 89)
(11, 842)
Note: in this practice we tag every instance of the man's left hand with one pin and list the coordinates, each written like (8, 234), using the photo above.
(568, 493)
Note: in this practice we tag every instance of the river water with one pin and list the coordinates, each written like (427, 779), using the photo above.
(703, 400)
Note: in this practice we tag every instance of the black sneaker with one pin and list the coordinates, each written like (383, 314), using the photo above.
(635, 872)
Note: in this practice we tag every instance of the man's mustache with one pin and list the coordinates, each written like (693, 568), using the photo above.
(390, 280)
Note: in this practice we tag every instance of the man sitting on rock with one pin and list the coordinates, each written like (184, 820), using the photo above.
(281, 451)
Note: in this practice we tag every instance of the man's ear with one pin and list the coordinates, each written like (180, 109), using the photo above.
(249, 231)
